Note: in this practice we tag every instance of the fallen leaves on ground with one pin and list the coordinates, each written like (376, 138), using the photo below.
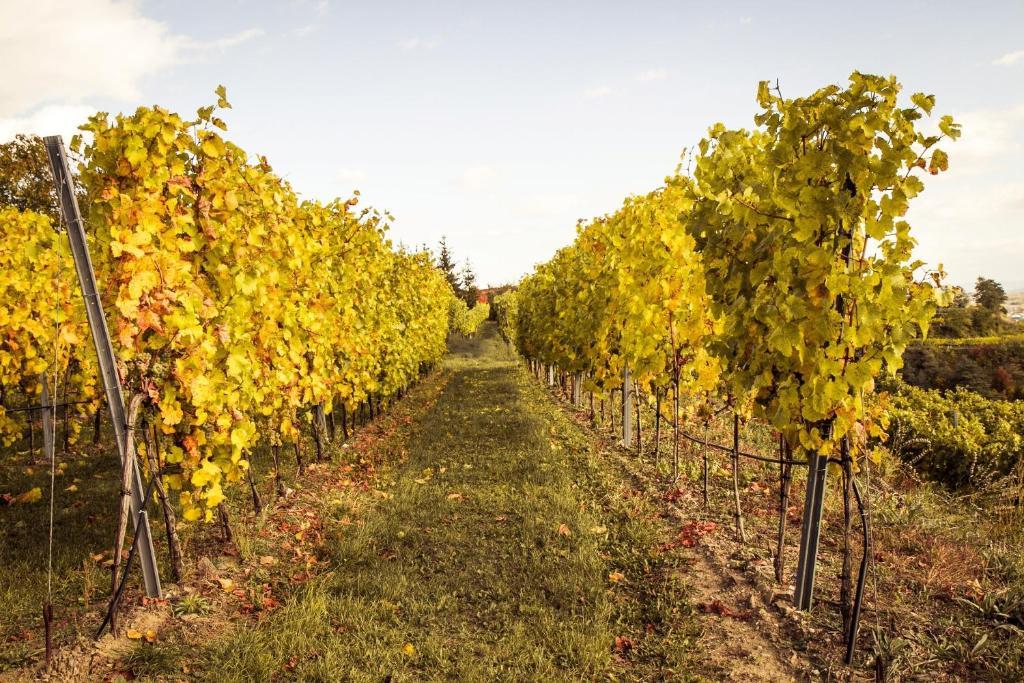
(690, 534)
(30, 496)
(718, 607)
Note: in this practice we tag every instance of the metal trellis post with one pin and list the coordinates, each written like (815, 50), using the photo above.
(104, 352)
(810, 532)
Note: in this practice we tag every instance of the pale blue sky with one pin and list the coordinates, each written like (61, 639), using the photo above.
(500, 124)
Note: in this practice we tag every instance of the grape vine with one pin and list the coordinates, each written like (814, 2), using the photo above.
(238, 311)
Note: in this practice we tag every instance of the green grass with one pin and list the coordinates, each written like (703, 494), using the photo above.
(83, 525)
(507, 580)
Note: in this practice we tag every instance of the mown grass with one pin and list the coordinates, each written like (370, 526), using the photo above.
(488, 559)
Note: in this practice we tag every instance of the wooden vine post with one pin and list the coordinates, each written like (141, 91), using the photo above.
(785, 480)
(105, 356)
(627, 421)
(738, 511)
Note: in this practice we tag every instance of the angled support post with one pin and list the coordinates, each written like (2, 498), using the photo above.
(104, 352)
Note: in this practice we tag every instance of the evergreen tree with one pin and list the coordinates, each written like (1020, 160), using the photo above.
(446, 264)
(470, 292)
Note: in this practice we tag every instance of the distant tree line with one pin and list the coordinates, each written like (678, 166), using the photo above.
(972, 345)
(992, 368)
(980, 314)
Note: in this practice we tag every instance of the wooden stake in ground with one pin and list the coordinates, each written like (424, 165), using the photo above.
(320, 432)
(627, 406)
(64, 400)
(298, 455)
(657, 425)
(314, 428)
(47, 623)
(738, 514)
(611, 409)
(257, 504)
(96, 423)
(704, 448)
(170, 518)
(675, 431)
(636, 400)
(278, 481)
(846, 574)
(122, 513)
(31, 431)
(785, 481)
(225, 524)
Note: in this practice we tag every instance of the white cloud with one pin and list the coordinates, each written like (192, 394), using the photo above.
(1009, 58)
(225, 42)
(68, 51)
(351, 175)
(969, 217)
(53, 119)
(417, 43)
(652, 75)
(57, 55)
(476, 178)
(598, 91)
(990, 136)
(746, 20)
(303, 31)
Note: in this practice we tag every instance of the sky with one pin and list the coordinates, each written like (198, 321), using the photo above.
(500, 124)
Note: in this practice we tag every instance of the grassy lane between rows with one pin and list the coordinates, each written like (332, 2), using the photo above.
(500, 547)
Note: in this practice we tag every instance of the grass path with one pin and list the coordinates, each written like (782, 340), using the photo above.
(501, 549)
